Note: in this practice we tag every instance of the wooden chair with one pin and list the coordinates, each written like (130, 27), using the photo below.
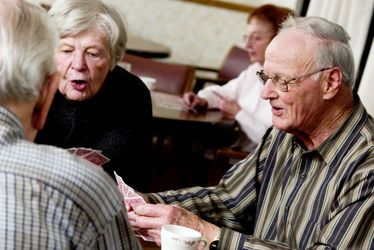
(235, 62)
(170, 78)
(223, 159)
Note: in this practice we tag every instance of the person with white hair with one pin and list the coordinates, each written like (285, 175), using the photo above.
(49, 198)
(99, 105)
(310, 182)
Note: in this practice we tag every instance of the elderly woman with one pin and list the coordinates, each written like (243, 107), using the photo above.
(99, 105)
(240, 99)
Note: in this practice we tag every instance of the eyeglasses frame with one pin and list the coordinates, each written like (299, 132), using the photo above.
(280, 83)
(247, 37)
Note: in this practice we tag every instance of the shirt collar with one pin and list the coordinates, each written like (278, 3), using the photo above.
(9, 123)
(346, 132)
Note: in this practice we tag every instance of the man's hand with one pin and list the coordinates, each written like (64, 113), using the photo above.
(145, 198)
(152, 217)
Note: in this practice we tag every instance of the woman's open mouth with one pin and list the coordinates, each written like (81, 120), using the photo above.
(79, 85)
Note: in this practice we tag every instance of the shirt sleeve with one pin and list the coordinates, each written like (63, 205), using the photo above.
(230, 204)
(118, 235)
(255, 116)
(228, 90)
(354, 204)
(347, 223)
(100, 220)
(254, 125)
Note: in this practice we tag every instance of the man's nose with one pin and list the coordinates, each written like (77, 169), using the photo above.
(268, 90)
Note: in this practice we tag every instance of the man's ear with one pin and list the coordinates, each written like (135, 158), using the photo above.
(44, 101)
(332, 83)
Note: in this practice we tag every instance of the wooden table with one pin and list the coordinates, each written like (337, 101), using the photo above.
(146, 48)
(171, 116)
(171, 108)
(148, 245)
(182, 137)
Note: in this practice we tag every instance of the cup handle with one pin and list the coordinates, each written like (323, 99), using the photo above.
(204, 244)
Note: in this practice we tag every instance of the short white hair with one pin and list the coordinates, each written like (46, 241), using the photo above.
(27, 46)
(333, 47)
(75, 16)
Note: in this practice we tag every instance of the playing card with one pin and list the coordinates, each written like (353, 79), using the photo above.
(135, 201)
(93, 155)
(84, 151)
(96, 158)
(132, 194)
(131, 198)
(71, 150)
(122, 186)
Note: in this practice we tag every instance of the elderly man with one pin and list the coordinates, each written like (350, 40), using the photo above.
(311, 179)
(49, 198)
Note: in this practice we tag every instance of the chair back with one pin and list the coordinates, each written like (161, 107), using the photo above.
(170, 78)
(235, 62)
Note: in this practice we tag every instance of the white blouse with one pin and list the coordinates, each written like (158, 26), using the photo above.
(255, 114)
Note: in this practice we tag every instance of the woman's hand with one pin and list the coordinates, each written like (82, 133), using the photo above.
(193, 101)
(229, 108)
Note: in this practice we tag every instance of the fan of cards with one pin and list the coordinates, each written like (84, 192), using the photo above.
(92, 155)
(132, 199)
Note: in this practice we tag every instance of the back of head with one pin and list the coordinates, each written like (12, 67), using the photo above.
(27, 46)
(75, 16)
(272, 14)
(332, 48)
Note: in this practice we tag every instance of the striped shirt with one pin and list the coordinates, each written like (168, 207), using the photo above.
(50, 199)
(317, 199)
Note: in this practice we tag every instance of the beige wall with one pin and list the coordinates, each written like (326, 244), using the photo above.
(197, 34)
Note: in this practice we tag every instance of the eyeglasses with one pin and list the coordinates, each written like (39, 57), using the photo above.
(282, 84)
(254, 38)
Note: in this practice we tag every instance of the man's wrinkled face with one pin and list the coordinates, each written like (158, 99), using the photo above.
(289, 55)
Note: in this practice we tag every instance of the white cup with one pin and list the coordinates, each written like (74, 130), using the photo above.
(149, 82)
(175, 237)
(125, 65)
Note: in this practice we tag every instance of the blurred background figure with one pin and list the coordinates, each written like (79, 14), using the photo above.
(240, 98)
(49, 199)
(99, 105)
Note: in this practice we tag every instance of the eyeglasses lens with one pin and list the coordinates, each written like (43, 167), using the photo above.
(262, 76)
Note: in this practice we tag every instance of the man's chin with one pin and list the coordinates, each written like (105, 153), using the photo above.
(280, 124)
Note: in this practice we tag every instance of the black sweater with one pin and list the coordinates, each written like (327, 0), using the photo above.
(117, 121)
